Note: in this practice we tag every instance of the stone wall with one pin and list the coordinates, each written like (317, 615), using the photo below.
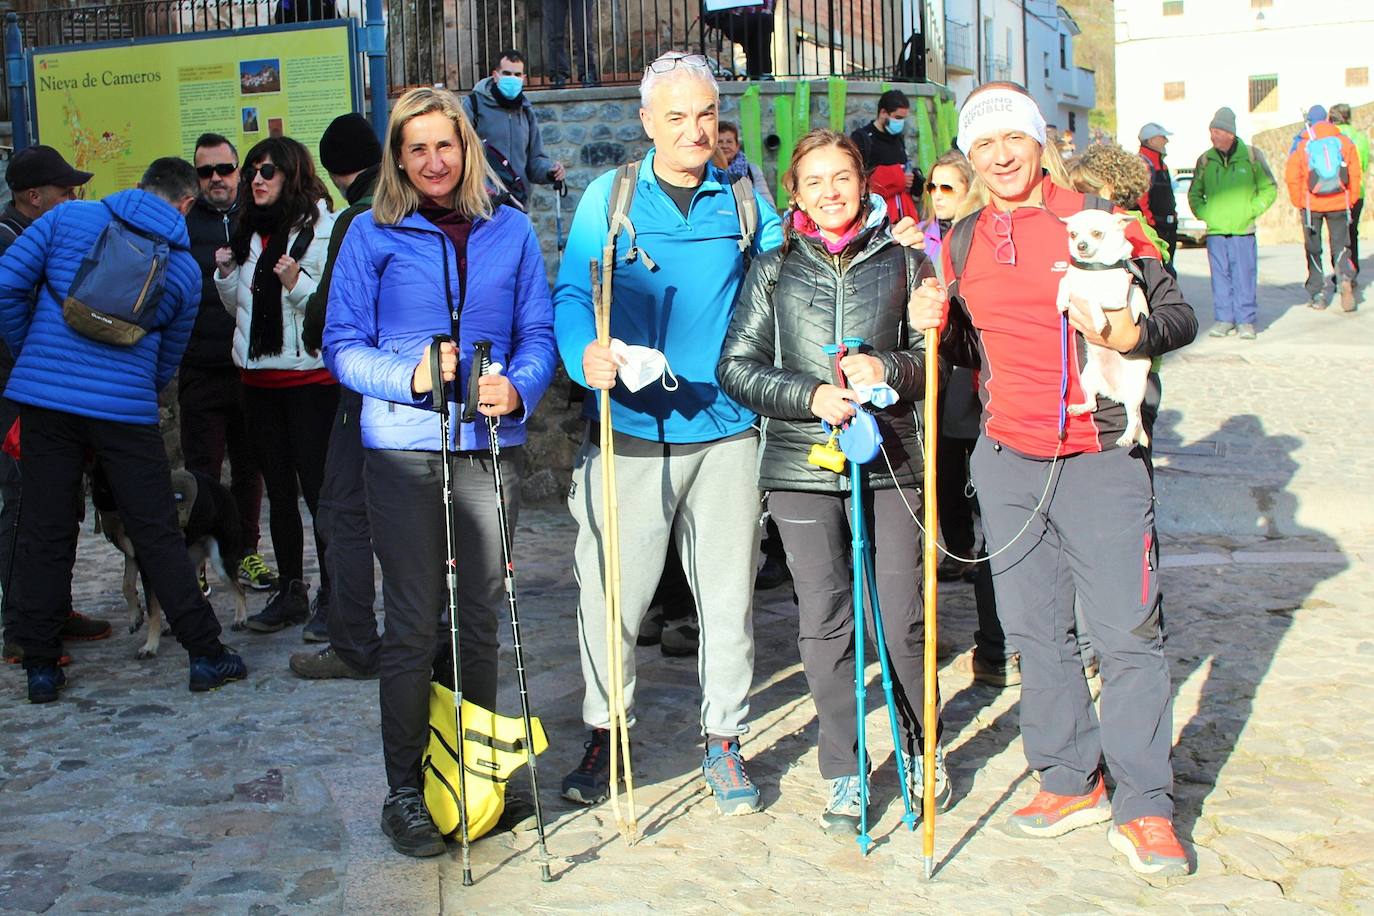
(591, 131)
(1283, 221)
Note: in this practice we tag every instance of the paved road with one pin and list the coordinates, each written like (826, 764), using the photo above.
(132, 795)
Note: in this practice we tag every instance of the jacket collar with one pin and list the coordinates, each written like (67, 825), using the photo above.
(714, 180)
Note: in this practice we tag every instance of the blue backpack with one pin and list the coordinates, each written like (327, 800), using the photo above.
(118, 287)
(1326, 169)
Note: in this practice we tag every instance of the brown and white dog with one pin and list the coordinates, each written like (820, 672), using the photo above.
(1098, 250)
(209, 520)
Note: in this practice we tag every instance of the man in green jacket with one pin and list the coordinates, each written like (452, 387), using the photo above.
(1232, 186)
(1340, 116)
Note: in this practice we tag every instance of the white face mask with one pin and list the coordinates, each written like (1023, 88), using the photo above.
(640, 366)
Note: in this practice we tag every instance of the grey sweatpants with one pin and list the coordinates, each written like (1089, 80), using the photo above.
(816, 531)
(1095, 535)
(706, 499)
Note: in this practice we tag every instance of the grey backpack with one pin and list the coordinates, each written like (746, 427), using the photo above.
(114, 297)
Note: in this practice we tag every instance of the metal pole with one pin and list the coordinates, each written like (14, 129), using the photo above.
(18, 77)
(374, 44)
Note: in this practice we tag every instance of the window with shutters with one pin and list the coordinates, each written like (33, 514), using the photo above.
(1264, 93)
(1173, 91)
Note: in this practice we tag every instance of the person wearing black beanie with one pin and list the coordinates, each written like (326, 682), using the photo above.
(351, 154)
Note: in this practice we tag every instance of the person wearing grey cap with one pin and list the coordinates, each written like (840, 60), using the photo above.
(1232, 186)
(1158, 202)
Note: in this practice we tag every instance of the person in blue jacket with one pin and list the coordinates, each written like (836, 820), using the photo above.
(436, 255)
(76, 393)
(685, 451)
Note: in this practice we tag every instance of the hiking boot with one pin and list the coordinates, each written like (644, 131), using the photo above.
(651, 630)
(915, 769)
(1347, 289)
(1247, 332)
(45, 683)
(842, 812)
(286, 608)
(408, 824)
(81, 628)
(1222, 329)
(212, 673)
(518, 814)
(1150, 847)
(680, 639)
(952, 569)
(1317, 303)
(1050, 815)
(723, 768)
(254, 573)
(324, 664)
(973, 665)
(771, 574)
(317, 629)
(591, 781)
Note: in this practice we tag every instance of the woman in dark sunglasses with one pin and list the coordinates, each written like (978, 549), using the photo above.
(265, 277)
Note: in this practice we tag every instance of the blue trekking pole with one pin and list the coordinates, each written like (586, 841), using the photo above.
(861, 441)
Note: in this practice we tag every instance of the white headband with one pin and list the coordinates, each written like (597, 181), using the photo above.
(997, 111)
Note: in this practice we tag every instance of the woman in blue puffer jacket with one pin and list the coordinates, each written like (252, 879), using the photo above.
(436, 256)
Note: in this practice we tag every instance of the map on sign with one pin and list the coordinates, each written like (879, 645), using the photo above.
(89, 145)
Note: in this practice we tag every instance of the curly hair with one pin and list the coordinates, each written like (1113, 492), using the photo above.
(302, 191)
(1113, 172)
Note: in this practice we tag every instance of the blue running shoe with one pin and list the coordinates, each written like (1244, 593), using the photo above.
(211, 673)
(724, 771)
(45, 683)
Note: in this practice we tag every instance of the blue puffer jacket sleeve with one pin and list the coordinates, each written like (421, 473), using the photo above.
(181, 299)
(351, 335)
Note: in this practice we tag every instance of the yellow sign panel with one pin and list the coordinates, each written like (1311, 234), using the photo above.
(113, 109)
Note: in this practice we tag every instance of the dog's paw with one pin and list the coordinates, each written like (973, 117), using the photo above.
(239, 625)
(1077, 410)
(145, 653)
(135, 627)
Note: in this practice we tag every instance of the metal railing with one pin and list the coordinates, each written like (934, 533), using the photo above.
(959, 47)
(566, 42)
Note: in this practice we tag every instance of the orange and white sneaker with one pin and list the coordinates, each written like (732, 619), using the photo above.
(1150, 846)
(1051, 815)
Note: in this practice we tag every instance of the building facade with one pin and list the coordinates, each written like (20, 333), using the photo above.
(1178, 61)
(983, 40)
(1064, 91)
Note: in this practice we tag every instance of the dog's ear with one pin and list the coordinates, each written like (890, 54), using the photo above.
(1124, 220)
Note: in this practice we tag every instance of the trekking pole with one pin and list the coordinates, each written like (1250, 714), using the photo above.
(481, 363)
(928, 719)
(560, 189)
(439, 403)
(610, 509)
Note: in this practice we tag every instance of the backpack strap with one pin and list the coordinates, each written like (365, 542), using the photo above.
(618, 219)
(11, 225)
(747, 209)
(302, 242)
(960, 240)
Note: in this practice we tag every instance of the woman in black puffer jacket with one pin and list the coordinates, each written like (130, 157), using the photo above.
(838, 274)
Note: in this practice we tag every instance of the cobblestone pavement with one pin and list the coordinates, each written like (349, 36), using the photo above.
(132, 795)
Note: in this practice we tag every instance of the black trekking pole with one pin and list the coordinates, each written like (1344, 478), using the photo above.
(439, 403)
(481, 360)
(560, 191)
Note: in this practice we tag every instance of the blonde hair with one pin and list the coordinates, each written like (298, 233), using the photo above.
(1050, 159)
(396, 196)
(956, 160)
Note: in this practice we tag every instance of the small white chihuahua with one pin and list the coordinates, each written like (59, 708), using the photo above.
(1098, 248)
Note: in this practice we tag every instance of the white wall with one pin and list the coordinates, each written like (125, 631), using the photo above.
(1066, 89)
(1217, 45)
(997, 36)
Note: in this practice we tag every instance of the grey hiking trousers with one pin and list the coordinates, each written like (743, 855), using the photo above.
(1094, 536)
(705, 497)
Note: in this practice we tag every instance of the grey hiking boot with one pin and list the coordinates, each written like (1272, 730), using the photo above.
(680, 639)
(1247, 332)
(325, 664)
(842, 812)
(1222, 329)
(944, 788)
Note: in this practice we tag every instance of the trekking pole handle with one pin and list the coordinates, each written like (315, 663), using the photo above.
(438, 391)
(481, 358)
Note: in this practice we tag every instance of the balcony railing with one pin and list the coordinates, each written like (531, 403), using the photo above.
(456, 42)
(959, 47)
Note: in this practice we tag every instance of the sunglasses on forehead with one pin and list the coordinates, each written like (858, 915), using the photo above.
(267, 170)
(222, 169)
(665, 65)
(932, 187)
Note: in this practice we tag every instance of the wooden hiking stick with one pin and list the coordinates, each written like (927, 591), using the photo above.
(610, 533)
(929, 726)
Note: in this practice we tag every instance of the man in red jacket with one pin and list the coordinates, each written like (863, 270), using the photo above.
(1324, 180)
(1068, 511)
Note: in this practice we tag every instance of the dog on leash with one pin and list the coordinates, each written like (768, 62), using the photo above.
(1097, 276)
(209, 520)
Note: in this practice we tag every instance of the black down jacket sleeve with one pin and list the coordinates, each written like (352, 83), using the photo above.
(1171, 323)
(747, 370)
(905, 368)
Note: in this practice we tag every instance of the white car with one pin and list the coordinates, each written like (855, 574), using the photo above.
(1190, 228)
